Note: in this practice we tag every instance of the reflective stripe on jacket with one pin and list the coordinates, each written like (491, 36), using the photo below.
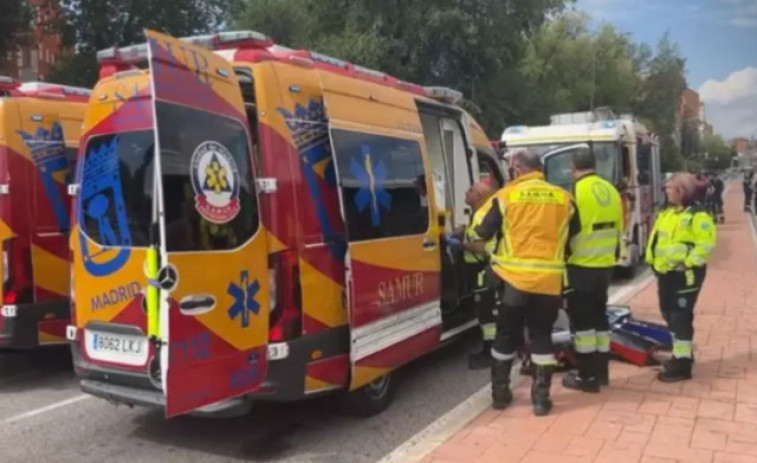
(535, 219)
(601, 212)
(471, 236)
(681, 237)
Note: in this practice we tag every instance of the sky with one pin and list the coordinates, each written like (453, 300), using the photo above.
(718, 39)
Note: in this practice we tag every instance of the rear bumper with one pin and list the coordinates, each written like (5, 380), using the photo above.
(126, 395)
(285, 378)
(35, 324)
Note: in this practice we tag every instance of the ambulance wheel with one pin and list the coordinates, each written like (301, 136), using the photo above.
(371, 399)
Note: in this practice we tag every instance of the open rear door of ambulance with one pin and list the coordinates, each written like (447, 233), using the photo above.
(213, 263)
(393, 264)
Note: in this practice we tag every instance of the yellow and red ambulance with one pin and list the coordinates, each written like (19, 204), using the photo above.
(40, 124)
(259, 223)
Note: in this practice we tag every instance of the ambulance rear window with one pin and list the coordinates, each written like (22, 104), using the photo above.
(115, 204)
(208, 184)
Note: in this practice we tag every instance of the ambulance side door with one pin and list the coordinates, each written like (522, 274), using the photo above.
(393, 263)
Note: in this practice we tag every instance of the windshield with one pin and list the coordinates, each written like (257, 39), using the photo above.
(557, 166)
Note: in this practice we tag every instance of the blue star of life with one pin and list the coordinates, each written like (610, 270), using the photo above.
(244, 299)
(372, 192)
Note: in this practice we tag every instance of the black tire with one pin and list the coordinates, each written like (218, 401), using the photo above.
(371, 399)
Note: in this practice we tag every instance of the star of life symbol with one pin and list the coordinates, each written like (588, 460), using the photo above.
(244, 295)
(215, 180)
(371, 176)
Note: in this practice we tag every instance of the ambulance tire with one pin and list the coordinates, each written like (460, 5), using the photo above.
(371, 399)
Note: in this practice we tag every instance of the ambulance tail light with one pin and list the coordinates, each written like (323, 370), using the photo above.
(286, 296)
(17, 272)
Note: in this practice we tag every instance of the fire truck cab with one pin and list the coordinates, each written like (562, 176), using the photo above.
(627, 155)
(40, 124)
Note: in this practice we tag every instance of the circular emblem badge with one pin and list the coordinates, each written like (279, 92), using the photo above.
(601, 193)
(215, 180)
(168, 277)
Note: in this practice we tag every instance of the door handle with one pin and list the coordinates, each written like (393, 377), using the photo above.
(429, 244)
(197, 304)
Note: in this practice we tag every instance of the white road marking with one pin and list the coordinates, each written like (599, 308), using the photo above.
(426, 440)
(43, 410)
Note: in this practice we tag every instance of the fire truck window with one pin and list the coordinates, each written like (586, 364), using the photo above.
(208, 185)
(383, 185)
(644, 163)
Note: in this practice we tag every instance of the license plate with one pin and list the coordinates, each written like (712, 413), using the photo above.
(117, 348)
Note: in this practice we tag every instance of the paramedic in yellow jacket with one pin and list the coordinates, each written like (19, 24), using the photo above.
(476, 254)
(592, 256)
(683, 237)
(535, 219)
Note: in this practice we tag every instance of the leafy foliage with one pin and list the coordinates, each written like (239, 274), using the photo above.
(718, 154)
(91, 25)
(472, 45)
(517, 61)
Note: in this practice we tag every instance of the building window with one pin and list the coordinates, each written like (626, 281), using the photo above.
(34, 58)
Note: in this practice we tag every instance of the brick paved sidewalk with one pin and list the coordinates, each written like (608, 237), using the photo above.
(712, 418)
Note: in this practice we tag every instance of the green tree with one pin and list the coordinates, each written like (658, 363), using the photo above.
(91, 25)
(717, 153)
(474, 46)
(573, 68)
(662, 82)
(15, 24)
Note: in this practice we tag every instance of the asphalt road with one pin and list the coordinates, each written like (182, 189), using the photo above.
(44, 417)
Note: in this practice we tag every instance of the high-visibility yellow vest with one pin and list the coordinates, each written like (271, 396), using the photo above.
(470, 235)
(535, 219)
(681, 237)
(601, 212)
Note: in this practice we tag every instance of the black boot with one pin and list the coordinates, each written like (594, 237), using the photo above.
(603, 368)
(502, 396)
(481, 360)
(676, 369)
(540, 389)
(585, 379)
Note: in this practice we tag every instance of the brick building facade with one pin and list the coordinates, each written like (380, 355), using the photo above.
(38, 57)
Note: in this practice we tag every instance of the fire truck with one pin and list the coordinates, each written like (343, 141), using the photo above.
(627, 154)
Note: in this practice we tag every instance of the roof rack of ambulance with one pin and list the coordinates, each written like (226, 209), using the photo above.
(134, 54)
(50, 90)
(7, 84)
(117, 59)
(12, 87)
